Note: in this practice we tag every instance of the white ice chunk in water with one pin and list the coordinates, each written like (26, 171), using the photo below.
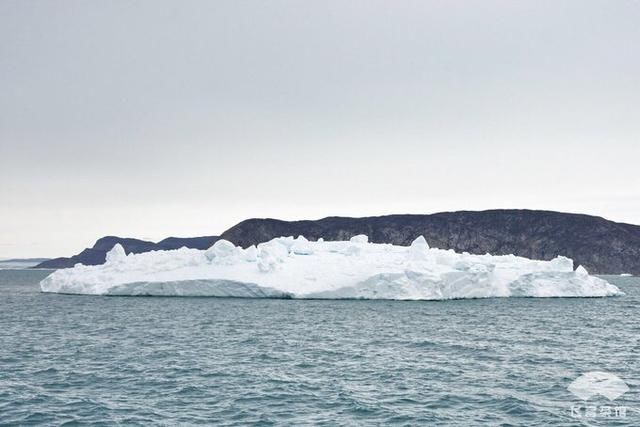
(299, 268)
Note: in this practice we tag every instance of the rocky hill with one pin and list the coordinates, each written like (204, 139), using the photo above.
(96, 254)
(600, 245)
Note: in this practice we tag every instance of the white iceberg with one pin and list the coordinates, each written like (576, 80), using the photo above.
(298, 268)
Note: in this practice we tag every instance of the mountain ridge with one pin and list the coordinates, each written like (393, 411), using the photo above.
(600, 245)
(97, 253)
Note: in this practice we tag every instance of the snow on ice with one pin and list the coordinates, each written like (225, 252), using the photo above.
(298, 268)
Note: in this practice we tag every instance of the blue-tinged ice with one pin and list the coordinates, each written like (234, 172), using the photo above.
(298, 268)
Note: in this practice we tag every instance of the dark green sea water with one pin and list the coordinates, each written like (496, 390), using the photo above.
(127, 360)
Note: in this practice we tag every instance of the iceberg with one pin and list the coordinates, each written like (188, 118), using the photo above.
(288, 267)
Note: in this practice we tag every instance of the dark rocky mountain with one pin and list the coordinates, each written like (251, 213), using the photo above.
(97, 254)
(600, 245)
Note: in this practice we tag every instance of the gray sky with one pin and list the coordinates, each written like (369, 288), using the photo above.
(155, 118)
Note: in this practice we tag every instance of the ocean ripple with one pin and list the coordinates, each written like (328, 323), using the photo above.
(183, 361)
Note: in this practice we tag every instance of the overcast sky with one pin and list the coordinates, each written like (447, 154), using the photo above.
(153, 118)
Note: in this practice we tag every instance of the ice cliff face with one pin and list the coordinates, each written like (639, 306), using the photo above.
(299, 268)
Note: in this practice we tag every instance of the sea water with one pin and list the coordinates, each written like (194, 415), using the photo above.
(224, 361)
